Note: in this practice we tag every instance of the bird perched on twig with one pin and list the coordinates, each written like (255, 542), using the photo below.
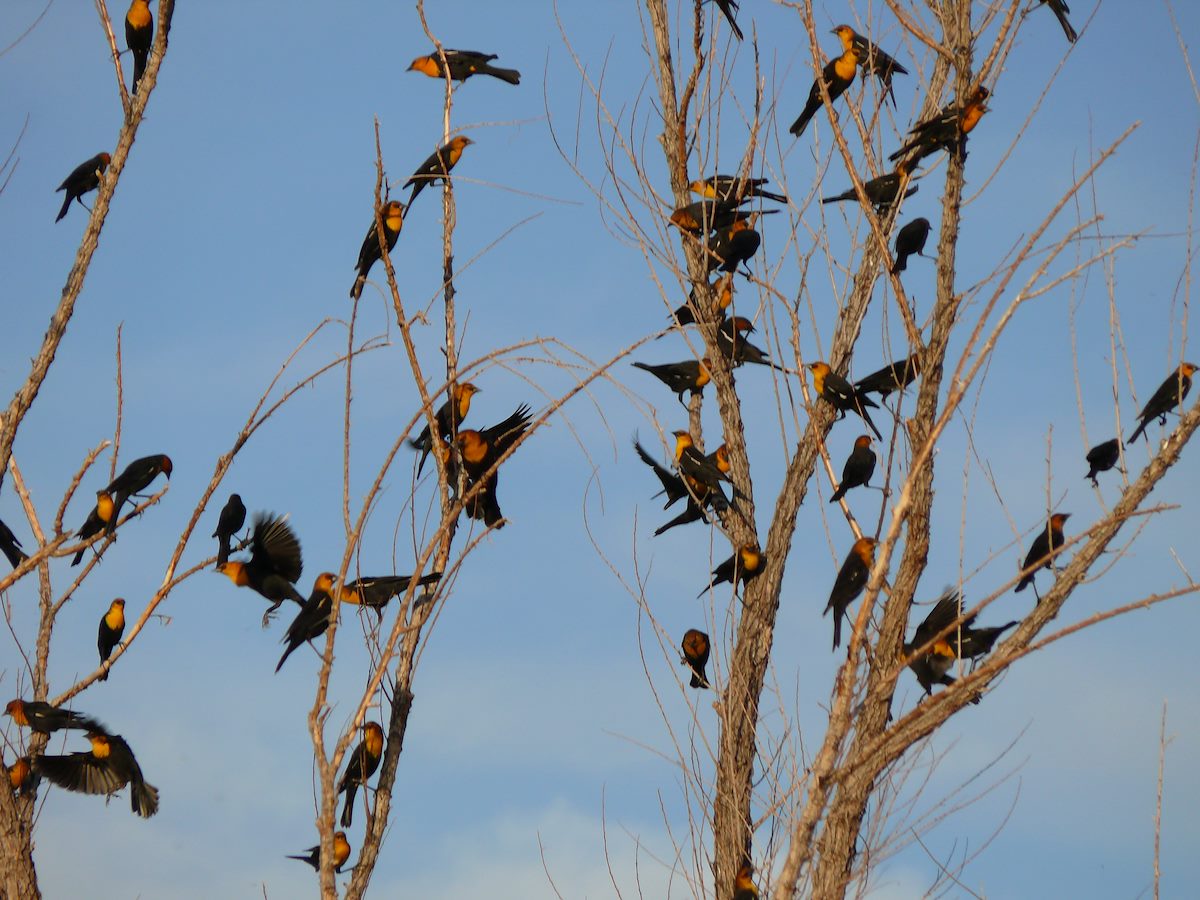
(1103, 457)
(462, 65)
(839, 393)
(1039, 555)
(872, 59)
(84, 177)
(880, 192)
(696, 649)
(743, 566)
(448, 417)
(437, 166)
(112, 626)
(910, 240)
(363, 763)
(850, 581)
(837, 75)
(139, 36)
(1170, 394)
(860, 466)
(341, 853)
(392, 217)
(230, 522)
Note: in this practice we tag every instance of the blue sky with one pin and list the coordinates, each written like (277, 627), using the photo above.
(233, 233)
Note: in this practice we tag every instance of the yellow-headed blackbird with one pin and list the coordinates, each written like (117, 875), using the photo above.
(695, 656)
(837, 75)
(672, 484)
(105, 769)
(375, 592)
(737, 348)
(448, 417)
(910, 239)
(860, 466)
(462, 65)
(341, 853)
(1170, 394)
(728, 188)
(20, 775)
(894, 376)
(314, 617)
(700, 473)
(112, 626)
(945, 131)
(83, 178)
(274, 566)
(707, 216)
(881, 192)
(745, 565)
(43, 718)
(1103, 457)
(1060, 10)
(681, 377)
(437, 166)
(871, 58)
(10, 546)
(139, 35)
(480, 449)
(734, 246)
(233, 518)
(743, 886)
(850, 581)
(933, 666)
(363, 763)
(841, 395)
(1047, 541)
(729, 9)
(392, 216)
(98, 519)
(135, 479)
(722, 290)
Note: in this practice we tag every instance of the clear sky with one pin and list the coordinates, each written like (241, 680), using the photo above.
(536, 743)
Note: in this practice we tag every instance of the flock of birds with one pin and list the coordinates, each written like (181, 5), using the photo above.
(470, 458)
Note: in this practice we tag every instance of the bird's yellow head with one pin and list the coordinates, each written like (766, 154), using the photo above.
(721, 457)
(458, 142)
(864, 549)
(1058, 520)
(101, 747)
(118, 604)
(426, 65)
(16, 709)
(472, 446)
(105, 159)
(820, 371)
(683, 440)
(863, 441)
(752, 558)
(942, 648)
(235, 572)
(1187, 369)
(324, 583)
(18, 773)
(846, 33)
(373, 736)
(165, 465)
